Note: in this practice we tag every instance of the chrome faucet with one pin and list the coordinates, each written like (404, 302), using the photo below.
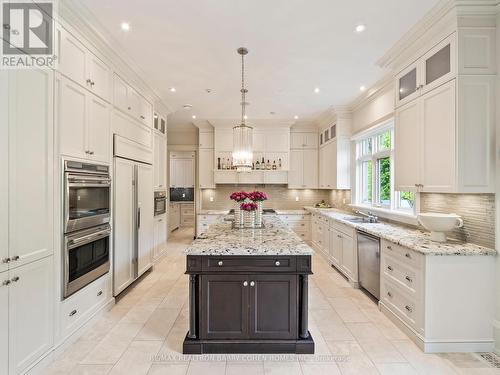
(371, 217)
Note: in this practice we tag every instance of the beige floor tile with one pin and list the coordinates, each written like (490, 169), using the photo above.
(158, 325)
(381, 350)
(248, 368)
(311, 368)
(364, 331)
(207, 368)
(396, 369)
(91, 370)
(137, 359)
(358, 365)
(168, 369)
(282, 368)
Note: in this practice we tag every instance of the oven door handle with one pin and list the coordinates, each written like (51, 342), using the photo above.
(85, 184)
(72, 243)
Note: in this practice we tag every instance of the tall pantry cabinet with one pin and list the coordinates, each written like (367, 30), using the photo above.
(26, 261)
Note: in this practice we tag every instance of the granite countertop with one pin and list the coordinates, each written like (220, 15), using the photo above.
(274, 239)
(213, 212)
(412, 238)
(292, 212)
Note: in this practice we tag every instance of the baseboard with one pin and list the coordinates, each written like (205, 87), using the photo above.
(496, 335)
(441, 346)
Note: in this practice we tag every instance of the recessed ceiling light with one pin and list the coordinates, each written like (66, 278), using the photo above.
(193, 116)
(360, 28)
(362, 88)
(125, 26)
(296, 117)
(316, 90)
(172, 89)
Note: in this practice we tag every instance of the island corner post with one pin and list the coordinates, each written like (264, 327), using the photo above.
(254, 304)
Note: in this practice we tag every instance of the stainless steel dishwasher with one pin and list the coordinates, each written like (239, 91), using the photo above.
(369, 263)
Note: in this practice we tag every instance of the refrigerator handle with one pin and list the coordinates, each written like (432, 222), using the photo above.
(138, 217)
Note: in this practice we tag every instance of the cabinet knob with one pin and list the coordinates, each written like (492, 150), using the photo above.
(408, 255)
(91, 152)
(408, 308)
(15, 258)
(99, 293)
(245, 283)
(5, 260)
(129, 108)
(389, 268)
(15, 279)
(409, 279)
(389, 247)
(89, 81)
(220, 263)
(252, 283)
(6, 282)
(142, 117)
(277, 263)
(389, 294)
(72, 312)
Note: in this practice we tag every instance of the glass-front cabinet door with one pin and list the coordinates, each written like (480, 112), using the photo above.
(438, 65)
(407, 84)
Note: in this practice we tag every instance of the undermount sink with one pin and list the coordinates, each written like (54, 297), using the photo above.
(356, 219)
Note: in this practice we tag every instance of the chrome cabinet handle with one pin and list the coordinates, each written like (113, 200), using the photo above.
(409, 279)
(220, 263)
(389, 268)
(245, 283)
(142, 117)
(339, 236)
(277, 263)
(89, 81)
(15, 279)
(99, 293)
(5, 260)
(389, 294)
(15, 258)
(252, 283)
(72, 312)
(5, 282)
(408, 308)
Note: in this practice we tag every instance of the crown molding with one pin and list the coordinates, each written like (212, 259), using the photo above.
(261, 124)
(76, 17)
(373, 92)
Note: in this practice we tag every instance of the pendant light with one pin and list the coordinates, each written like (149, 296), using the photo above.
(242, 133)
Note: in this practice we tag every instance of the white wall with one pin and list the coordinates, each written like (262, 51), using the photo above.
(182, 138)
(373, 110)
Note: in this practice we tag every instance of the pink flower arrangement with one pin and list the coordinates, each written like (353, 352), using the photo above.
(257, 196)
(248, 206)
(238, 196)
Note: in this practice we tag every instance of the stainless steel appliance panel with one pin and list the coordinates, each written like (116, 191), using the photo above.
(369, 263)
(160, 203)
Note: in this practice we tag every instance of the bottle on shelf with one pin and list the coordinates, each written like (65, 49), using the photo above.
(218, 163)
(279, 163)
(274, 165)
(268, 165)
(223, 165)
(257, 165)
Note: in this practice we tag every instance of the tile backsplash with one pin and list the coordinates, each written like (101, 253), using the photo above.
(477, 211)
(280, 197)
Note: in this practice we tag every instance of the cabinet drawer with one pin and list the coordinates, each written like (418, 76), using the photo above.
(305, 236)
(399, 303)
(78, 308)
(403, 254)
(342, 227)
(407, 278)
(291, 218)
(208, 218)
(299, 226)
(249, 264)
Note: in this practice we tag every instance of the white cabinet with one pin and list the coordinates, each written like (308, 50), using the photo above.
(127, 99)
(145, 225)
(206, 140)
(334, 164)
(77, 63)
(433, 69)
(187, 214)
(204, 221)
(206, 168)
(300, 224)
(303, 172)
(174, 216)
(83, 123)
(4, 324)
(160, 235)
(31, 334)
(181, 171)
(335, 250)
(299, 140)
(159, 160)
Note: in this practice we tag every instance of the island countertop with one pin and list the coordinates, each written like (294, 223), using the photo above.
(274, 239)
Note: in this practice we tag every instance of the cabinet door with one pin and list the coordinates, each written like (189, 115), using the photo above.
(72, 58)
(225, 301)
(278, 141)
(133, 102)
(438, 141)
(224, 140)
(407, 87)
(297, 140)
(99, 129)
(439, 65)
(188, 173)
(407, 146)
(296, 173)
(160, 235)
(335, 247)
(273, 306)
(321, 169)
(331, 165)
(311, 140)
(145, 111)
(159, 161)
(173, 173)
(72, 119)
(31, 166)
(206, 140)
(206, 168)
(348, 255)
(120, 93)
(5, 78)
(325, 239)
(99, 73)
(145, 217)
(31, 315)
(123, 225)
(4, 324)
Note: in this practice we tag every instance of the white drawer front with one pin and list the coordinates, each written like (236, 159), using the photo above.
(407, 278)
(405, 255)
(399, 303)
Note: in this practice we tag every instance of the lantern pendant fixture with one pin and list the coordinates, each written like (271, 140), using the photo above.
(242, 133)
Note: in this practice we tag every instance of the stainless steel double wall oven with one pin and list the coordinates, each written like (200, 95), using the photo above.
(87, 214)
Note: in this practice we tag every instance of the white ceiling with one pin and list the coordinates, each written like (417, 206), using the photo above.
(294, 46)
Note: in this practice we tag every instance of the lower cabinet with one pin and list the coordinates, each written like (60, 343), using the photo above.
(4, 324)
(174, 216)
(160, 235)
(249, 306)
(27, 297)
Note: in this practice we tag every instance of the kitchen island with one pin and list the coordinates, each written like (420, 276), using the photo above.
(248, 290)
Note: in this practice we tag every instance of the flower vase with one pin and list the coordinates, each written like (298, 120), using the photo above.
(238, 216)
(258, 214)
(249, 219)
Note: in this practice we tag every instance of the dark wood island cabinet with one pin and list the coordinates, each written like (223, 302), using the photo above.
(255, 302)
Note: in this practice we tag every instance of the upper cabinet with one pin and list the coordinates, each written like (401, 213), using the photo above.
(160, 123)
(127, 99)
(182, 169)
(433, 69)
(159, 161)
(445, 129)
(303, 172)
(206, 140)
(301, 140)
(82, 66)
